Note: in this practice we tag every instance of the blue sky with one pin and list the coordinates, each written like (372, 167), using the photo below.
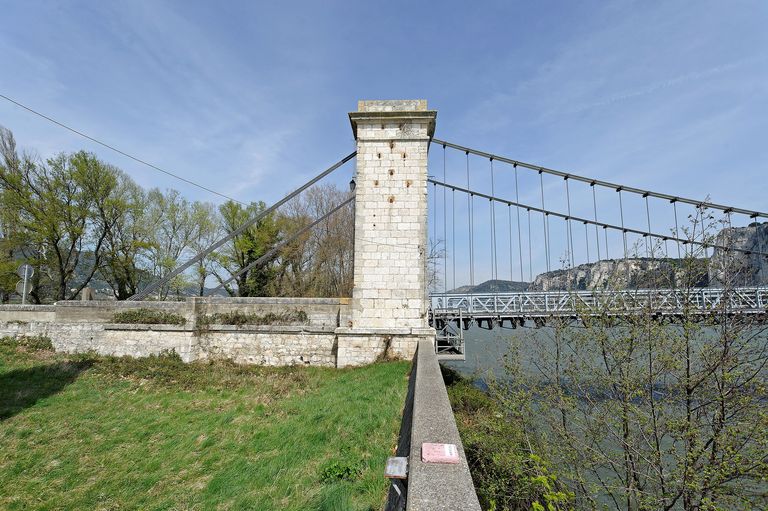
(251, 98)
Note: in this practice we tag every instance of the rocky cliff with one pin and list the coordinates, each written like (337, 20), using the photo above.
(741, 268)
(626, 274)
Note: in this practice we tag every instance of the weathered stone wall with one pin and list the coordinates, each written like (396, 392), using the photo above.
(361, 346)
(99, 311)
(80, 327)
(390, 276)
(272, 346)
(388, 313)
(325, 312)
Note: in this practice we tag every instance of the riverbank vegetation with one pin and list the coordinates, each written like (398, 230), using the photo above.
(507, 471)
(631, 408)
(89, 432)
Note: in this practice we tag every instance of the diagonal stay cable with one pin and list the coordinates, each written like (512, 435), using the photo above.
(268, 255)
(614, 186)
(240, 230)
(625, 230)
(115, 149)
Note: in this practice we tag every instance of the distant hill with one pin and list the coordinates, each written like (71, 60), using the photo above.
(493, 286)
(103, 291)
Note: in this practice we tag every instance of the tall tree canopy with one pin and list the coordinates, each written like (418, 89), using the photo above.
(80, 221)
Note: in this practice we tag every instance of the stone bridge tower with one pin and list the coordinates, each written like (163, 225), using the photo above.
(390, 300)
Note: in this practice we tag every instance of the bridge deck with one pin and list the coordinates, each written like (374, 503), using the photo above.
(543, 304)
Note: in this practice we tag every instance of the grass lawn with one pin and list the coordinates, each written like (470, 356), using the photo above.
(82, 432)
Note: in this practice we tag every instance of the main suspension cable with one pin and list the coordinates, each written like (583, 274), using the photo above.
(119, 151)
(604, 225)
(605, 184)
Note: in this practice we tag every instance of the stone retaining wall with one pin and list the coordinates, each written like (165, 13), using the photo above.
(78, 327)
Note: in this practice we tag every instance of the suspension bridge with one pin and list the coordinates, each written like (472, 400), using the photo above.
(434, 219)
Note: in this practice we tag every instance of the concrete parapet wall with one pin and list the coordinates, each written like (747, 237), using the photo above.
(320, 311)
(433, 486)
(27, 313)
(103, 311)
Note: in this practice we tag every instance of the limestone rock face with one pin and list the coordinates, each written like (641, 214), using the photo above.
(634, 273)
(739, 268)
(731, 267)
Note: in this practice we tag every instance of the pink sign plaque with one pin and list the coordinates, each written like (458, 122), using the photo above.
(439, 453)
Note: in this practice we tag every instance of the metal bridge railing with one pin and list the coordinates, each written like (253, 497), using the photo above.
(746, 300)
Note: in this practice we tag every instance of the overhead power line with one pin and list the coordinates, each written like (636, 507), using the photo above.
(119, 151)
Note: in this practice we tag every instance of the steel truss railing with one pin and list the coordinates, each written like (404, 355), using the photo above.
(449, 335)
(751, 300)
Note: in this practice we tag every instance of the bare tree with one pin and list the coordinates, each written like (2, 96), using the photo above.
(646, 412)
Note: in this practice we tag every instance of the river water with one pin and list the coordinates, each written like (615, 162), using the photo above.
(533, 349)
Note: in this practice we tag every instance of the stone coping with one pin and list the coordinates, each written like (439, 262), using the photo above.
(122, 304)
(270, 300)
(431, 485)
(31, 308)
(386, 331)
(391, 105)
(140, 327)
(218, 300)
(276, 329)
(297, 329)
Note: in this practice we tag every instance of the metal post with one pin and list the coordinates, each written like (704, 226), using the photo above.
(26, 277)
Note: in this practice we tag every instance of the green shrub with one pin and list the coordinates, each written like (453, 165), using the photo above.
(32, 342)
(340, 471)
(507, 472)
(239, 318)
(148, 317)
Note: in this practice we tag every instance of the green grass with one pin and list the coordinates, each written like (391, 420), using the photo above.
(105, 433)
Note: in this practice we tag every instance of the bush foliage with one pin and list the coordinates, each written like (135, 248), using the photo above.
(507, 472)
(32, 342)
(148, 317)
(239, 318)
